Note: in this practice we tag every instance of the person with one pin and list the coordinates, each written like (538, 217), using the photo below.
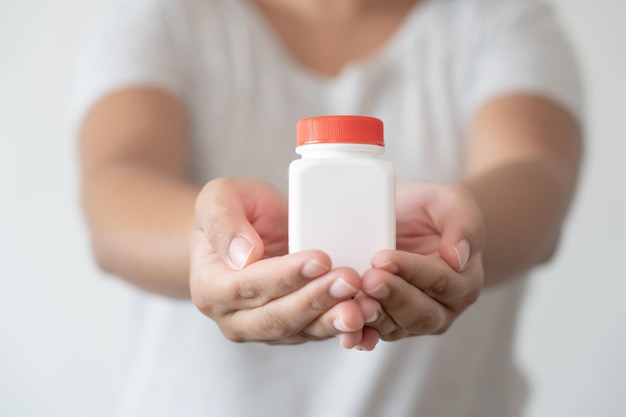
(187, 112)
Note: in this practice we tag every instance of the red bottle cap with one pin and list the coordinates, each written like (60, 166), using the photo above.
(340, 129)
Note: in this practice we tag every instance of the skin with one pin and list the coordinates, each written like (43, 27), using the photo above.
(502, 219)
(324, 35)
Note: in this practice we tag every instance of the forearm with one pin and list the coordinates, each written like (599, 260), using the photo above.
(524, 205)
(140, 222)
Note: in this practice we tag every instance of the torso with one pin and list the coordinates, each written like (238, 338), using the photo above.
(246, 86)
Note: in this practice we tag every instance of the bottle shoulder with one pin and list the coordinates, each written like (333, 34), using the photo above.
(338, 163)
(339, 150)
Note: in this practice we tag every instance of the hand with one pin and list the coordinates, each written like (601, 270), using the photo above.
(242, 277)
(437, 271)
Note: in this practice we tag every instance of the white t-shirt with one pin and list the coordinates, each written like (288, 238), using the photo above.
(244, 93)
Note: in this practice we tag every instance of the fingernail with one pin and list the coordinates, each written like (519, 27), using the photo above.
(239, 251)
(343, 339)
(341, 289)
(373, 317)
(387, 266)
(341, 326)
(362, 349)
(462, 250)
(314, 269)
(380, 292)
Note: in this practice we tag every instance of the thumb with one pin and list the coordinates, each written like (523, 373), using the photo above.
(222, 215)
(462, 232)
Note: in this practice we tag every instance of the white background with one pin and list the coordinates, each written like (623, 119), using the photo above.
(61, 319)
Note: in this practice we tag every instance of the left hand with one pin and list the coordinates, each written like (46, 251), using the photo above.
(435, 273)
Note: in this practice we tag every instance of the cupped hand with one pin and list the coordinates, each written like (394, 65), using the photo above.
(243, 278)
(436, 272)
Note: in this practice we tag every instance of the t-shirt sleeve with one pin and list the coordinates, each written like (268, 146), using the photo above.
(523, 49)
(129, 45)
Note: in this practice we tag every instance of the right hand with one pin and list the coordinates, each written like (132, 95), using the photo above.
(243, 278)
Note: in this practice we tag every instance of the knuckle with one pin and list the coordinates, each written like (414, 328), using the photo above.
(302, 336)
(315, 303)
(246, 290)
(425, 322)
(286, 281)
(275, 326)
(393, 336)
(439, 286)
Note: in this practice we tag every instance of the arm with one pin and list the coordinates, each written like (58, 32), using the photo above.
(147, 222)
(138, 204)
(504, 218)
(524, 158)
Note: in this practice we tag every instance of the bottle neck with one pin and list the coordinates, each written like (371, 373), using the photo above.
(339, 150)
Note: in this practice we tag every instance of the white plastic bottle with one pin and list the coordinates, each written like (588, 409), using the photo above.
(341, 195)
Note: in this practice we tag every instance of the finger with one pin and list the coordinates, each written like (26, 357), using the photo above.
(318, 306)
(364, 339)
(344, 318)
(460, 223)
(350, 340)
(370, 308)
(263, 281)
(374, 315)
(369, 340)
(410, 308)
(225, 211)
(428, 273)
